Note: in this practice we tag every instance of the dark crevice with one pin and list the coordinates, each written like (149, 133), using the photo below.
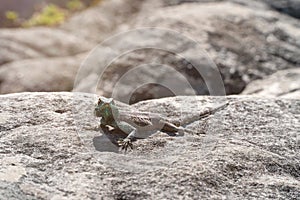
(60, 111)
(288, 9)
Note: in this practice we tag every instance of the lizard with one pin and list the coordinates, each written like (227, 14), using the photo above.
(133, 122)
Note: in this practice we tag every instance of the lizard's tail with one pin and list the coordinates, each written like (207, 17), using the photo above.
(183, 130)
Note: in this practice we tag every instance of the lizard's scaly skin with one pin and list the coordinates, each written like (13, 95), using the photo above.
(133, 122)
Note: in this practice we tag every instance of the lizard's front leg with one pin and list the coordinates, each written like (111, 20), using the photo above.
(131, 131)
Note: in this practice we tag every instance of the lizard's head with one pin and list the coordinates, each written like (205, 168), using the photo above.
(103, 106)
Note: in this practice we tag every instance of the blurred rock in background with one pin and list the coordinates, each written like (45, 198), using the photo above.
(248, 40)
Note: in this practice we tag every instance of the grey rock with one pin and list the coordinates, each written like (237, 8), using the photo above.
(242, 40)
(285, 83)
(69, 39)
(246, 42)
(49, 140)
(39, 59)
(39, 42)
(246, 39)
(41, 74)
(289, 7)
(99, 22)
(168, 63)
(55, 50)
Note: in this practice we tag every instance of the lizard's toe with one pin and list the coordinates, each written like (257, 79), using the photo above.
(125, 144)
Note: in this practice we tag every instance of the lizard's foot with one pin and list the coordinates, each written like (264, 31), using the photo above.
(125, 144)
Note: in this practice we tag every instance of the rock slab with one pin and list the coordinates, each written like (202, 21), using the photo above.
(48, 151)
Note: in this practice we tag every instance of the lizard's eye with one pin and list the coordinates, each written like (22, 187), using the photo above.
(112, 102)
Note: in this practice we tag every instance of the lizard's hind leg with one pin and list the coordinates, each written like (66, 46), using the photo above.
(172, 129)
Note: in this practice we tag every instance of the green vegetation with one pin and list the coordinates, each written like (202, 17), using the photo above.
(75, 5)
(11, 15)
(49, 16)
